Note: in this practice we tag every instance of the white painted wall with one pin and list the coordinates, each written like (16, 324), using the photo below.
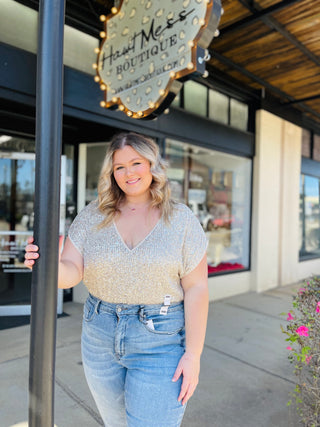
(289, 204)
(265, 248)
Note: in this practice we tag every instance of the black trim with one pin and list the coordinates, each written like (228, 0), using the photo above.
(308, 257)
(225, 272)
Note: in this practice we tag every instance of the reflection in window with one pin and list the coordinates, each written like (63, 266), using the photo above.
(195, 98)
(176, 101)
(309, 216)
(217, 187)
(68, 151)
(95, 155)
(238, 114)
(218, 107)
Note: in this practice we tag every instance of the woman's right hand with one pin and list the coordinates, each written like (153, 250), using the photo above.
(31, 253)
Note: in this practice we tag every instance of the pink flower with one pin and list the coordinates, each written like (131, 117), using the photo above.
(318, 307)
(308, 358)
(289, 348)
(301, 290)
(308, 283)
(302, 331)
(289, 317)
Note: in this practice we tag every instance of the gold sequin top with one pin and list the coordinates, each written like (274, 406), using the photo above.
(149, 271)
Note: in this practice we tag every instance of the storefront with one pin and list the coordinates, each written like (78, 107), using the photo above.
(237, 169)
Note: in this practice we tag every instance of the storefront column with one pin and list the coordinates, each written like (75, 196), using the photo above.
(266, 202)
(275, 213)
(289, 242)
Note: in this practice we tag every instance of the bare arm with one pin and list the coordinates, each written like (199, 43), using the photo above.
(196, 302)
(70, 266)
(70, 262)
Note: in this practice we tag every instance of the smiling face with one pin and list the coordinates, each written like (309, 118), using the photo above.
(132, 173)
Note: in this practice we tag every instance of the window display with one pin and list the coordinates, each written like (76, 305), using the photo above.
(217, 187)
(309, 216)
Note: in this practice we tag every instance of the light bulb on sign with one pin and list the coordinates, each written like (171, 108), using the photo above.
(103, 87)
(102, 104)
(102, 34)
(103, 18)
(96, 50)
(97, 79)
(114, 10)
(94, 66)
(129, 113)
(121, 107)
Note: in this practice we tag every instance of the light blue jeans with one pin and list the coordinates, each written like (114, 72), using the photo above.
(130, 354)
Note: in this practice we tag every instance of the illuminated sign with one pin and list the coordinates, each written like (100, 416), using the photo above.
(147, 46)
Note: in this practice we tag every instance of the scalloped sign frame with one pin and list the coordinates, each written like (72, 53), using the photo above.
(147, 46)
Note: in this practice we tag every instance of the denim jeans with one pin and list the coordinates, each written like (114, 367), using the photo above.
(130, 354)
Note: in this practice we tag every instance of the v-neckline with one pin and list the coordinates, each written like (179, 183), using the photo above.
(141, 241)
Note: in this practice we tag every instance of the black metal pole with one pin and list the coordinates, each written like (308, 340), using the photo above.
(47, 211)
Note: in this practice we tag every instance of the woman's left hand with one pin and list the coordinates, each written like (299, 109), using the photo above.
(189, 367)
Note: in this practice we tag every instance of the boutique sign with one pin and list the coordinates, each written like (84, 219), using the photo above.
(147, 46)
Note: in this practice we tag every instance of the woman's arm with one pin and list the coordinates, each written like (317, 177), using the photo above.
(70, 262)
(196, 303)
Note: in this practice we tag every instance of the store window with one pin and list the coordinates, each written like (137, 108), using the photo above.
(195, 98)
(198, 99)
(218, 107)
(217, 187)
(309, 217)
(238, 114)
(69, 152)
(17, 183)
(95, 156)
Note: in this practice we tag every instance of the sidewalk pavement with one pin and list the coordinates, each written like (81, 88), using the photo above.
(245, 373)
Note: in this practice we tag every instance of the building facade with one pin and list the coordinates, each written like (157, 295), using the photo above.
(251, 177)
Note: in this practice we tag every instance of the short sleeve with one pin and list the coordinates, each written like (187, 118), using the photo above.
(194, 246)
(78, 230)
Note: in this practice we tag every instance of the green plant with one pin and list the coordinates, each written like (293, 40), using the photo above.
(303, 335)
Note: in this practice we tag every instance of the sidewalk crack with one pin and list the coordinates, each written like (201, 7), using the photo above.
(249, 364)
(79, 401)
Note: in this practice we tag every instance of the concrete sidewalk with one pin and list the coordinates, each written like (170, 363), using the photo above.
(245, 373)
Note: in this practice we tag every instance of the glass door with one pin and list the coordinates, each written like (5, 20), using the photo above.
(17, 176)
(17, 186)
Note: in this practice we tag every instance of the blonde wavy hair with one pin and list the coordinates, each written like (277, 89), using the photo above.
(110, 196)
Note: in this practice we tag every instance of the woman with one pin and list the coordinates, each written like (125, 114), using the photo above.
(142, 258)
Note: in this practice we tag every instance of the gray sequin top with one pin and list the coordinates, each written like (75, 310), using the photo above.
(149, 271)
